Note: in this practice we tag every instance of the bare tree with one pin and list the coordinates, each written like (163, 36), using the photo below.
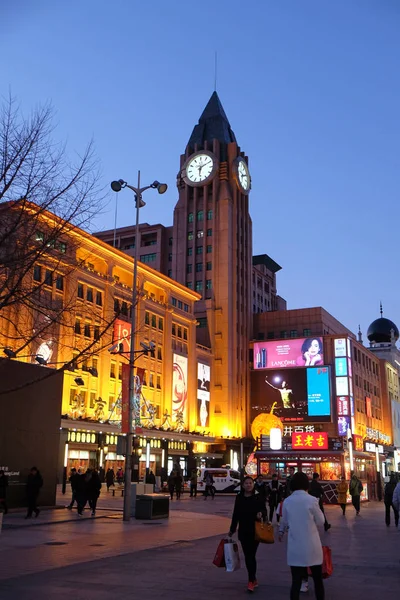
(44, 199)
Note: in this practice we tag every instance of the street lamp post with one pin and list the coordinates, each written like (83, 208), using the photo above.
(117, 186)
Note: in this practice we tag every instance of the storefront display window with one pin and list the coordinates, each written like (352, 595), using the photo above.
(330, 471)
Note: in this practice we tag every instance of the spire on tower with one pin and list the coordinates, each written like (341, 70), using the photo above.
(360, 335)
(213, 125)
(381, 310)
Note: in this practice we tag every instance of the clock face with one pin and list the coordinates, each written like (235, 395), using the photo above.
(199, 168)
(243, 175)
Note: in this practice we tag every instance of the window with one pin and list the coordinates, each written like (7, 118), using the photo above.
(112, 370)
(186, 307)
(48, 278)
(86, 331)
(159, 353)
(169, 272)
(37, 273)
(80, 290)
(148, 258)
(160, 323)
(124, 308)
(293, 333)
(39, 236)
(173, 329)
(174, 301)
(170, 241)
(190, 218)
(189, 268)
(170, 256)
(209, 215)
(189, 285)
(266, 287)
(202, 322)
(59, 283)
(199, 250)
(180, 304)
(209, 249)
(151, 380)
(306, 332)
(153, 320)
(77, 326)
(179, 331)
(185, 333)
(190, 251)
(144, 377)
(147, 317)
(208, 284)
(199, 286)
(99, 298)
(199, 267)
(209, 266)
(209, 232)
(270, 335)
(89, 294)
(62, 246)
(190, 235)
(96, 332)
(120, 371)
(159, 382)
(284, 334)
(200, 215)
(200, 234)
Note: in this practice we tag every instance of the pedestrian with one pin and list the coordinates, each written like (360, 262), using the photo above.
(72, 479)
(288, 482)
(301, 518)
(171, 484)
(102, 475)
(355, 489)
(209, 485)
(80, 492)
(274, 495)
(150, 478)
(342, 489)
(388, 499)
(120, 476)
(178, 484)
(92, 488)
(396, 499)
(249, 507)
(260, 487)
(315, 489)
(33, 485)
(3, 491)
(110, 478)
(193, 484)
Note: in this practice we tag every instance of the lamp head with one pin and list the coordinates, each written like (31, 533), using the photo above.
(9, 353)
(117, 186)
(160, 187)
(79, 381)
(40, 360)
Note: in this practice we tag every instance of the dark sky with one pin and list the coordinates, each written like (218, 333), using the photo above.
(312, 92)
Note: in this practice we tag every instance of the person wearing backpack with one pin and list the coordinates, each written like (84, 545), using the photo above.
(388, 500)
(355, 489)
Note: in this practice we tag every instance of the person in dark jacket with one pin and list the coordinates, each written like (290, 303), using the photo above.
(288, 483)
(261, 487)
(80, 492)
(178, 484)
(33, 485)
(72, 479)
(92, 488)
(317, 491)
(274, 495)
(151, 478)
(249, 507)
(171, 484)
(388, 500)
(110, 478)
(3, 491)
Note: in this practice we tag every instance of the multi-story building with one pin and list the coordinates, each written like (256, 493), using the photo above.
(265, 297)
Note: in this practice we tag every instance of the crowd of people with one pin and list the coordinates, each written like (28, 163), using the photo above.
(298, 504)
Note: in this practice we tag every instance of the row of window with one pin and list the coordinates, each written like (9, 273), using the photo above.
(198, 285)
(153, 320)
(92, 295)
(200, 216)
(179, 331)
(293, 333)
(56, 244)
(199, 267)
(181, 305)
(366, 361)
(199, 250)
(148, 258)
(87, 329)
(199, 234)
(368, 387)
(48, 277)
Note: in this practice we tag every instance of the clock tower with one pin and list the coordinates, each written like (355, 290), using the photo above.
(212, 254)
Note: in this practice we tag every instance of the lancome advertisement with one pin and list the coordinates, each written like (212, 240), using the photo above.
(283, 354)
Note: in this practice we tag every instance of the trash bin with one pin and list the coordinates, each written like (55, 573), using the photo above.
(152, 506)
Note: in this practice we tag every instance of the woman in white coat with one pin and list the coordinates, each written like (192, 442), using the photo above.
(301, 517)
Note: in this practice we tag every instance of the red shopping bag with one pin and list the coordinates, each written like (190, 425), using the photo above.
(327, 566)
(219, 558)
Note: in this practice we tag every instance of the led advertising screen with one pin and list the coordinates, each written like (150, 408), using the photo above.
(203, 394)
(341, 367)
(340, 347)
(179, 389)
(343, 406)
(296, 395)
(343, 425)
(281, 354)
(342, 386)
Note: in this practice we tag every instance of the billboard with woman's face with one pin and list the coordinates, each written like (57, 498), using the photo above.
(281, 354)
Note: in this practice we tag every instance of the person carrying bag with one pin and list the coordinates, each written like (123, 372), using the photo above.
(264, 532)
(249, 507)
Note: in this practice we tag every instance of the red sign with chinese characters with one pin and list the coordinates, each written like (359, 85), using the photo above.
(343, 406)
(368, 407)
(122, 335)
(358, 443)
(310, 441)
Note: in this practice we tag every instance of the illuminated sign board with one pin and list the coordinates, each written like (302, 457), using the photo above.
(340, 347)
(203, 394)
(282, 354)
(298, 395)
(368, 406)
(358, 443)
(341, 367)
(342, 386)
(310, 441)
(343, 425)
(179, 389)
(122, 335)
(343, 406)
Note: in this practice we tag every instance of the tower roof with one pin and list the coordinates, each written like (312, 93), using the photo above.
(213, 124)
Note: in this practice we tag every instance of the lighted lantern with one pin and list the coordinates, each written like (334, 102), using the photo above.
(264, 422)
(275, 438)
(251, 465)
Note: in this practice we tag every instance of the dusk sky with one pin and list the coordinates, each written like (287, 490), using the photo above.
(312, 92)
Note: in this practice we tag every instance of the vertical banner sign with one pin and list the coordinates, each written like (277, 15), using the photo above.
(179, 389)
(136, 397)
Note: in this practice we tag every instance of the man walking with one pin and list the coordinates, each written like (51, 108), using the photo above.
(317, 491)
(73, 481)
(355, 489)
(193, 484)
(33, 486)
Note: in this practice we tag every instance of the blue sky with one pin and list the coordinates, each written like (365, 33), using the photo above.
(312, 91)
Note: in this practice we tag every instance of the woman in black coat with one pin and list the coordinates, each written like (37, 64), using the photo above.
(33, 486)
(249, 507)
(92, 488)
